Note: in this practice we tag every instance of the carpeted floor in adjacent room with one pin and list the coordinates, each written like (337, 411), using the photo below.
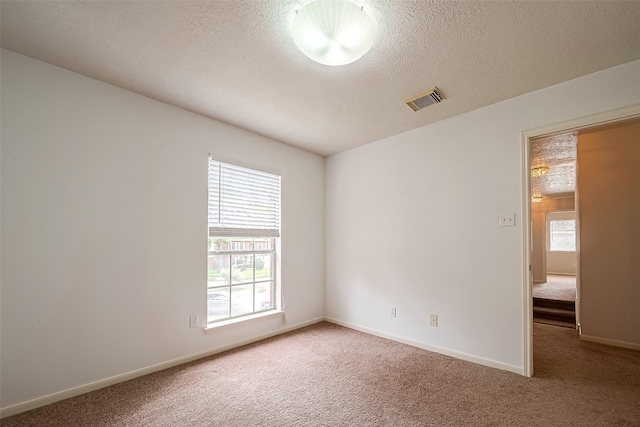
(556, 287)
(327, 375)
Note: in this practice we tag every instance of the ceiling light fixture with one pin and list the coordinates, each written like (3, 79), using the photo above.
(333, 32)
(539, 171)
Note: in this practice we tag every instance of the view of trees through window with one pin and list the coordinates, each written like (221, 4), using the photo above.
(240, 276)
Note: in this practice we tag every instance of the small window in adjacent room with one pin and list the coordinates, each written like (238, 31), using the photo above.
(244, 232)
(561, 228)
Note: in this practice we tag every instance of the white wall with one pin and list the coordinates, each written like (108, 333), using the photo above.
(563, 263)
(104, 221)
(412, 221)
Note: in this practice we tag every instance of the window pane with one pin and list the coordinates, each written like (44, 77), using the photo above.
(218, 270)
(265, 296)
(264, 267)
(241, 268)
(217, 303)
(241, 300)
(563, 235)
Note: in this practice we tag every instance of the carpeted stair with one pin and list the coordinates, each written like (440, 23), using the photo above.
(554, 312)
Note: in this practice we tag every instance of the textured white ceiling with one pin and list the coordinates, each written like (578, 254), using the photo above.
(558, 153)
(235, 61)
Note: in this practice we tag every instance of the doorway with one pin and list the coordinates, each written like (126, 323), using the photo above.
(553, 254)
(609, 118)
(554, 257)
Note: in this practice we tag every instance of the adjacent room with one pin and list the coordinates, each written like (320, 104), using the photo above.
(319, 213)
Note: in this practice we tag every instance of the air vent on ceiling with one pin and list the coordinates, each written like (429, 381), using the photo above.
(424, 99)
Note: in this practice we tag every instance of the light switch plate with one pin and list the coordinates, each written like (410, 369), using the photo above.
(507, 220)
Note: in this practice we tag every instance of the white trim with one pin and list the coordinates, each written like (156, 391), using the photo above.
(607, 117)
(576, 206)
(242, 321)
(527, 277)
(607, 341)
(86, 388)
(585, 122)
(448, 352)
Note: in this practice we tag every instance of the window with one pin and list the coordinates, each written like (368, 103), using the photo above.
(561, 228)
(244, 230)
(237, 246)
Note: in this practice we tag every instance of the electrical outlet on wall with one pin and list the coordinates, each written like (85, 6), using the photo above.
(393, 312)
(433, 320)
(193, 321)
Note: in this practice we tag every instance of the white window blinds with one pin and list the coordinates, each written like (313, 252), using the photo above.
(243, 201)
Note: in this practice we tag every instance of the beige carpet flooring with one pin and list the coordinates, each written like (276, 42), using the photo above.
(557, 287)
(327, 375)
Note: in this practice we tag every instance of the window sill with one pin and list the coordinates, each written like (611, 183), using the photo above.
(234, 323)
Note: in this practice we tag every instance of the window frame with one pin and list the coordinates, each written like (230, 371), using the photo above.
(560, 216)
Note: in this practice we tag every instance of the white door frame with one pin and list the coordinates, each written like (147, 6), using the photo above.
(568, 126)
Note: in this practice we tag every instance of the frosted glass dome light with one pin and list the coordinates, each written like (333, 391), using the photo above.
(333, 32)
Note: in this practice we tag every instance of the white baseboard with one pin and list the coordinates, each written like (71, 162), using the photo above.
(448, 352)
(86, 388)
(607, 341)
